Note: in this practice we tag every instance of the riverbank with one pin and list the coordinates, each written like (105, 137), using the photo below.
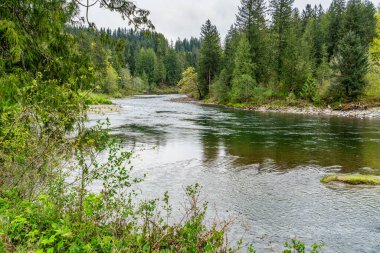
(348, 111)
(104, 108)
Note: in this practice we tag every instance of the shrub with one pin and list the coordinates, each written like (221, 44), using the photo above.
(242, 88)
(309, 89)
(261, 94)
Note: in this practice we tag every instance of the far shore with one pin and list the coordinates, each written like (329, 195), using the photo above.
(360, 112)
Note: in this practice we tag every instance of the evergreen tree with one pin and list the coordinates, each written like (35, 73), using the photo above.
(298, 57)
(172, 66)
(281, 20)
(243, 82)
(221, 86)
(159, 71)
(145, 63)
(359, 18)
(334, 29)
(307, 14)
(231, 43)
(251, 20)
(210, 57)
(352, 63)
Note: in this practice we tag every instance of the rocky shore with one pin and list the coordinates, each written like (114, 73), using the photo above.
(102, 109)
(351, 112)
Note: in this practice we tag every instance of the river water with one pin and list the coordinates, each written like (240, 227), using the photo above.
(260, 169)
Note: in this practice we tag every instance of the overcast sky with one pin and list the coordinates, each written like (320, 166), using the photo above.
(184, 18)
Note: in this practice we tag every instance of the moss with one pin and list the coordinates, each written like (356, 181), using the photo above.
(355, 179)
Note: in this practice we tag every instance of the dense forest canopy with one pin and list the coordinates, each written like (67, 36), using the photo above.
(277, 52)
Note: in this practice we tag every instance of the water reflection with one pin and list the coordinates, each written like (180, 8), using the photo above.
(292, 140)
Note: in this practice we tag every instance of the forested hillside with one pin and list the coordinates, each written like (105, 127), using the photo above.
(275, 52)
(132, 61)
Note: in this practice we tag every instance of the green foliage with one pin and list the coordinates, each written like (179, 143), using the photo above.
(281, 15)
(189, 83)
(242, 88)
(334, 26)
(372, 91)
(220, 89)
(251, 21)
(210, 57)
(70, 218)
(11, 49)
(159, 71)
(262, 94)
(145, 64)
(352, 63)
(375, 45)
(172, 66)
(109, 82)
(299, 247)
(95, 99)
(359, 17)
(309, 89)
(294, 48)
(242, 79)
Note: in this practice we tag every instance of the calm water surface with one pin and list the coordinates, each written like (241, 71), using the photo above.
(260, 169)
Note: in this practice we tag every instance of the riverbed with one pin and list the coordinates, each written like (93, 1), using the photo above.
(260, 169)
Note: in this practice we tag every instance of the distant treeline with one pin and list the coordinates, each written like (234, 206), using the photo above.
(136, 61)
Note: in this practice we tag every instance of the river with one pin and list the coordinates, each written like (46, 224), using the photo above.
(260, 169)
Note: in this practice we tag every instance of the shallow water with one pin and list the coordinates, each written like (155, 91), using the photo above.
(260, 169)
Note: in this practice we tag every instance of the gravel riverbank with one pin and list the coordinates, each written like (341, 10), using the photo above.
(361, 113)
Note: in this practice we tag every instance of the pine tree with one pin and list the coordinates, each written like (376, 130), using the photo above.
(251, 20)
(173, 68)
(281, 20)
(359, 18)
(352, 63)
(159, 71)
(334, 29)
(145, 63)
(298, 57)
(231, 44)
(210, 57)
(243, 82)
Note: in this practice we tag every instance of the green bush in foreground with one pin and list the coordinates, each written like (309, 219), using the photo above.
(67, 216)
(42, 226)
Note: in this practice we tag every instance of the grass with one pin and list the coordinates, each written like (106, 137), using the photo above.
(96, 99)
(355, 179)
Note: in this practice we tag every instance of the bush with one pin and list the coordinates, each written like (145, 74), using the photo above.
(242, 88)
(220, 89)
(189, 83)
(372, 91)
(309, 89)
(91, 98)
(261, 94)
